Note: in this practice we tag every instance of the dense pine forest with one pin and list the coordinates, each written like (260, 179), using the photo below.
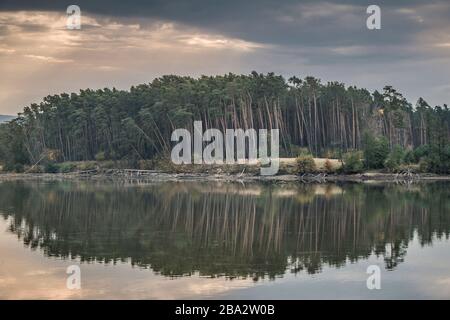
(326, 120)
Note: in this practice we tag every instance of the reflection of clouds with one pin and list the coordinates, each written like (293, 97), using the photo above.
(193, 287)
(4, 281)
(29, 275)
(39, 273)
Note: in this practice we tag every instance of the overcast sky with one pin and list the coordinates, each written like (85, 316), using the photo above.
(124, 43)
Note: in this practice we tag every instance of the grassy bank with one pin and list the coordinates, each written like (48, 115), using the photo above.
(286, 166)
(291, 170)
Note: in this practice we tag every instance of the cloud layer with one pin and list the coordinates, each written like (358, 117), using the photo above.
(121, 44)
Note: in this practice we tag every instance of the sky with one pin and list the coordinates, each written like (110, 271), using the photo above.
(125, 43)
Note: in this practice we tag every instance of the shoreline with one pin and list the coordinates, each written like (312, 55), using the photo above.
(161, 176)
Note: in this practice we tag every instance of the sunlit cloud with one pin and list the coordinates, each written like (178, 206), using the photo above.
(445, 45)
(47, 59)
(6, 51)
(219, 43)
(37, 44)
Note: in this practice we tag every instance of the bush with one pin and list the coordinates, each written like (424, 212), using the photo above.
(353, 162)
(66, 167)
(439, 159)
(146, 165)
(18, 168)
(376, 151)
(87, 165)
(409, 157)
(108, 164)
(395, 159)
(421, 152)
(50, 168)
(423, 165)
(306, 164)
(100, 156)
(299, 151)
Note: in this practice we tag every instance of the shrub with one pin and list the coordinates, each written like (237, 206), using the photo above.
(300, 151)
(66, 167)
(439, 159)
(108, 164)
(306, 164)
(50, 168)
(18, 168)
(353, 162)
(87, 165)
(100, 156)
(395, 159)
(423, 165)
(421, 152)
(409, 157)
(376, 151)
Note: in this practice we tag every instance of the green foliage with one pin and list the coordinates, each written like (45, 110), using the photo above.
(130, 126)
(85, 166)
(423, 165)
(409, 157)
(300, 151)
(376, 150)
(306, 164)
(439, 160)
(66, 167)
(51, 168)
(12, 150)
(100, 156)
(395, 159)
(421, 152)
(18, 168)
(353, 162)
(108, 164)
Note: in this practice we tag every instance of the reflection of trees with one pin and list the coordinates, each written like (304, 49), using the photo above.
(179, 228)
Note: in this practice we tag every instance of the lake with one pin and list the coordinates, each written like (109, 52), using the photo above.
(191, 240)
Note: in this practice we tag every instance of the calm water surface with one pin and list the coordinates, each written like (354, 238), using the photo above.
(225, 241)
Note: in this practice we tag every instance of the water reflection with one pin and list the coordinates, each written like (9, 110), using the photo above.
(255, 231)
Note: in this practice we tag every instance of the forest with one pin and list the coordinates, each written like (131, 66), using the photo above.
(378, 130)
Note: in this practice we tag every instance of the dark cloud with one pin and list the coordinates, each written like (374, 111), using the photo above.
(271, 21)
(328, 39)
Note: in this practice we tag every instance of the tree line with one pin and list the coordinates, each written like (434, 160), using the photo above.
(327, 119)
